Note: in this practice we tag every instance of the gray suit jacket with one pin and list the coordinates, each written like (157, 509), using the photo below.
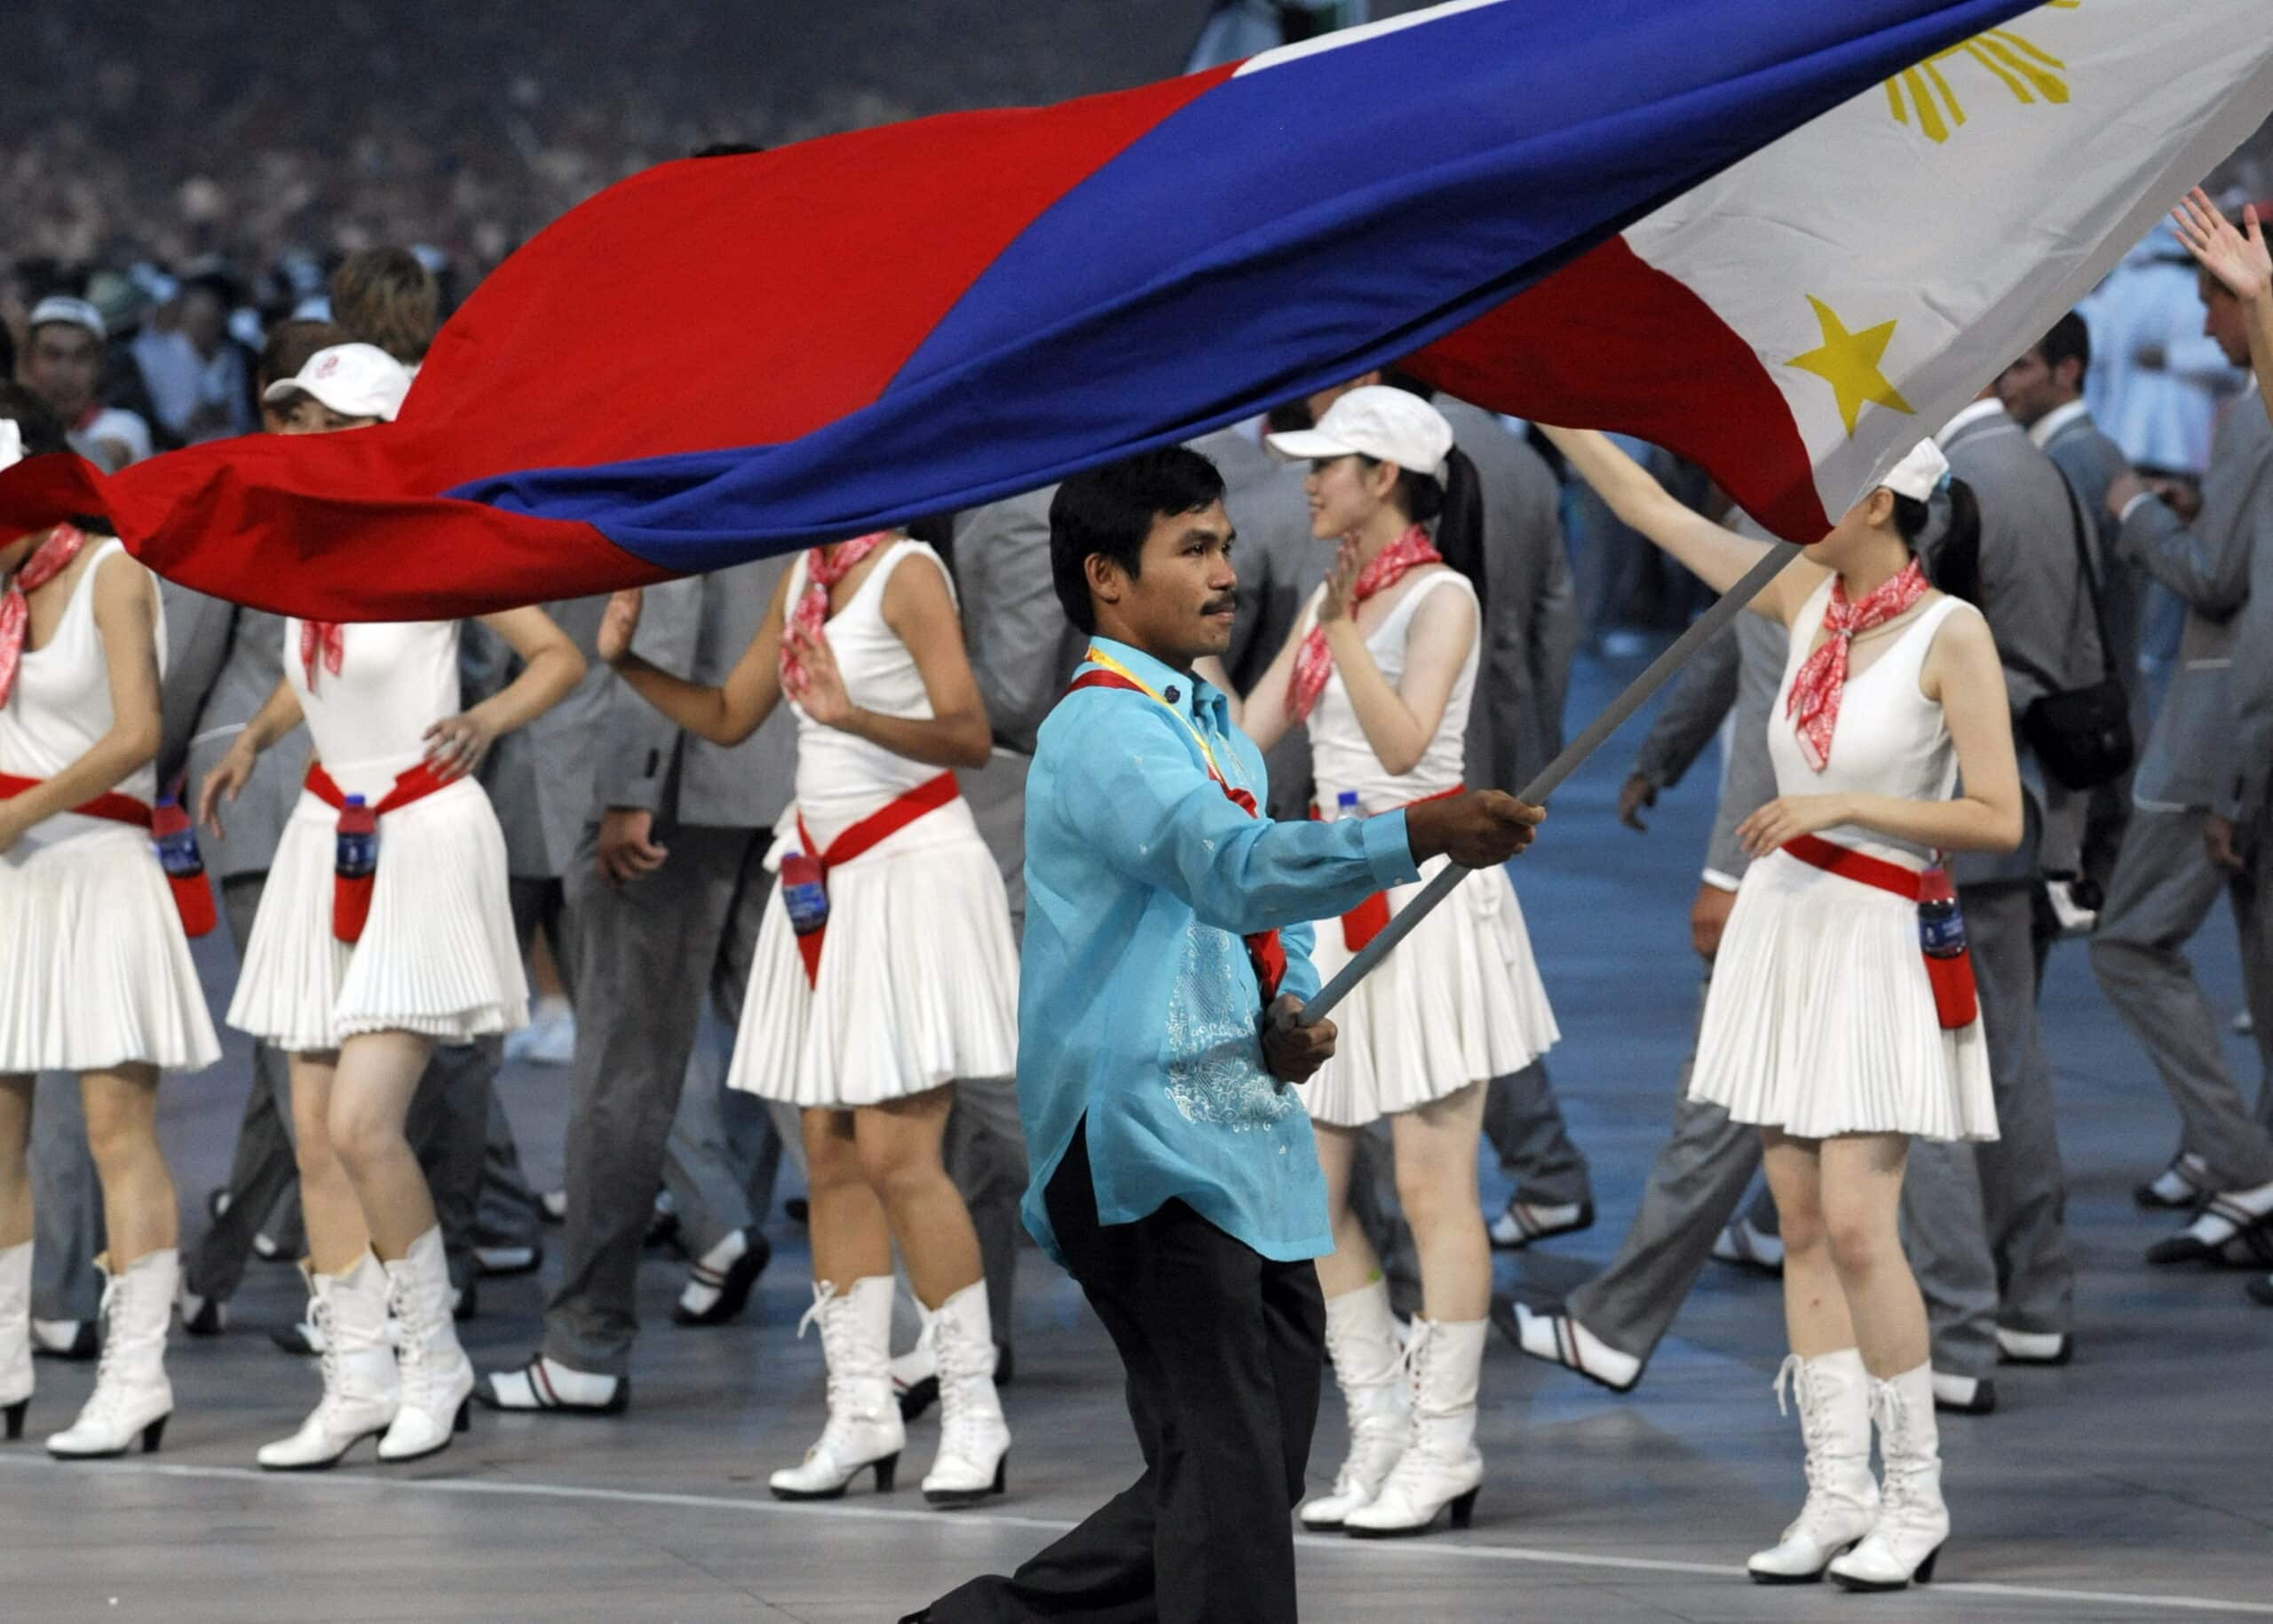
(1732, 680)
(252, 665)
(197, 641)
(2032, 596)
(1022, 647)
(2091, 462)
(2212, 739)
(697, 627)
(1530, 623)
(540, 778)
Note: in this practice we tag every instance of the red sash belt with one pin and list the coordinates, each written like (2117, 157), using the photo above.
(192, 895)
(1859, 867)
(1370, 917)
(414, 784)
(864, 836)
(1264, 951)
(110, 806)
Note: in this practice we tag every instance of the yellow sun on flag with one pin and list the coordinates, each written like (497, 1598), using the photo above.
(2019, 64)
(1850, 363)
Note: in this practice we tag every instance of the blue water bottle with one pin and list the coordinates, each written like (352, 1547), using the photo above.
(357, 856)
(1345, 805)
(804, 893)
(184, 869)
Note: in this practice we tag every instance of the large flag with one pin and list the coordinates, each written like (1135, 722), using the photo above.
(1784, 238)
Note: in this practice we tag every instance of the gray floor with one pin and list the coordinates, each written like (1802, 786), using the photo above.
(2135, 1484)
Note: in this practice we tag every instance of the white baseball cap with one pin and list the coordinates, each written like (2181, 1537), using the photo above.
(1920, 474)
(355, 380)
(60, 309)
(1389, 426)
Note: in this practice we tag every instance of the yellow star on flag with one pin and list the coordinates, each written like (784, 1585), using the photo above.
(1850, 363)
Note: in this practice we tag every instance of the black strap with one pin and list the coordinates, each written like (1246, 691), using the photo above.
(2091, 581)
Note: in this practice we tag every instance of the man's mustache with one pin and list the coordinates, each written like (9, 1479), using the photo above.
(1217, 605)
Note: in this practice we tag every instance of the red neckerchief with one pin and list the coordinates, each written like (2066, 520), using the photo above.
(1314, 661)
(322, 644)
(47, 561)
(824, 568)
(1814, 699)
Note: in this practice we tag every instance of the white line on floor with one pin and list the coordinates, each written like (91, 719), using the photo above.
(1436, 1550)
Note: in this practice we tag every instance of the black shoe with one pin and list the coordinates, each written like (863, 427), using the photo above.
(1965, 1395)
(297, 1338)
(216, 1202)
(84, 1343)
(1526, 1221)
(2261, 1290)
(203, 1315)
(728, 1292)
(662, 1229)
(554, 1205)
(465, 1301)
(501, 1262)
(1005, 1367)
(2180, 1187)
(268, 1250)
(798, 1210)
(527, 1391)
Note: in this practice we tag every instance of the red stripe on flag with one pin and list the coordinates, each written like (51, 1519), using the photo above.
(1569, 349)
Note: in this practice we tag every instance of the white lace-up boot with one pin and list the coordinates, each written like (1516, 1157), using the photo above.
(15, 1336)
(864, 1428)
(436, 1377)
(132, 1393)
(974, 1439)
(361, 1390)
(1912, 1522)
(1440, 1466)
(1369, 1368)
(1834, 1398)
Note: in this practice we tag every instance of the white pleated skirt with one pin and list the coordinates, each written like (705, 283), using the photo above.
(94, 970)
(1459, 1002)
(918, 983)
(1820, 1020)
(438, 957)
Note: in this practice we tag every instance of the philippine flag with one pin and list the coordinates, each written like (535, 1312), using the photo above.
(1786, 239)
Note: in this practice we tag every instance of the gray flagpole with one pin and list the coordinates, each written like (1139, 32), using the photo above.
(1637, 695)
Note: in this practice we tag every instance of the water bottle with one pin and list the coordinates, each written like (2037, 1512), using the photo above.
(355, 859)
(1345, 805)
(804, 893)
(1949, 962)
(178, 855)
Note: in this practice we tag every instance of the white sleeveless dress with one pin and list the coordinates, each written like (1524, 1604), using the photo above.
(1820, 1020)
(94, 969)
(1460, 1001)
(439, 957)
(918, 983)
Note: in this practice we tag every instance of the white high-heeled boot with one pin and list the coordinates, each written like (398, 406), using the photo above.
(974, 1439)
(15, 1336)
(361, 1390)
(864, 1428)
(1834, 1396)
(1912, 1522)
(131, 1395)
(436, 1377)
(1440, 1466)
(1369, 1368)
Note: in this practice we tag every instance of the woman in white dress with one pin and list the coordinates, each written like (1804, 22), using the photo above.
(436, 961)
(1381, 668)
(1822, 1024)
(95, 972)
(917, 985)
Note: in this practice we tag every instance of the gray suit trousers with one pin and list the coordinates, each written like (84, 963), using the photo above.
(723, 1154)
(2164, 888)
(262, 1168)
(1524, 1122)
(646, 953)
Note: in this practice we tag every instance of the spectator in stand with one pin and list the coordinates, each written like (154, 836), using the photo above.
(199, 377)
(63, 360)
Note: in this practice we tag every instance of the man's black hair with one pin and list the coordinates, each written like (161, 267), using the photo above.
(2069, 339)
(726, 149)
(1111, 511)
(35, 421)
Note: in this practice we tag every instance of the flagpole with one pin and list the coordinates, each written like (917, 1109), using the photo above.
(1638, 693)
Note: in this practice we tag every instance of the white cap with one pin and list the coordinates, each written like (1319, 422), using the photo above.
(11, 443)
(1389, 426)
(58, 309)
(355, 380)
(1918, 475)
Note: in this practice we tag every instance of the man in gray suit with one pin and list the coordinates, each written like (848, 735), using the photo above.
(2026, 577)
(666, 891)
(2201, 824)
(2044, 391)
(1607, 1329)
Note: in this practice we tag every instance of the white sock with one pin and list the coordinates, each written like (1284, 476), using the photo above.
(1564, 1341)
(521, 1389)
(707, 1278)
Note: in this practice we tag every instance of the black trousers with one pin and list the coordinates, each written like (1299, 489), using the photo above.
(1223, 1353)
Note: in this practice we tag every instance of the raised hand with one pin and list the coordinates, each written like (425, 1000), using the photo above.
(2239, 260)
(1341, 585)
(818, 687)
(619, 622)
